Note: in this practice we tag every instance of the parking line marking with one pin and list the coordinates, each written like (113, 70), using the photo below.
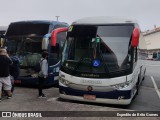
(52, 99)
(155, 86)
(153, 65)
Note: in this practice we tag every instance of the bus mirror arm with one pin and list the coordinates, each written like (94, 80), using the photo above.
(54, 34)
(135, 37)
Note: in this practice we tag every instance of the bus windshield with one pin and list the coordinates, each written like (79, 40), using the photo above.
(24, 40)
(28, 50)
(98, 49)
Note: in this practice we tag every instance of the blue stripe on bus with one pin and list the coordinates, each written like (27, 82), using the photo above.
(30, 81)
(108, 95)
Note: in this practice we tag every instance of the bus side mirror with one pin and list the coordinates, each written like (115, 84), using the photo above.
(45, 43)
(54, 35)
(2, 40)
(135, 37)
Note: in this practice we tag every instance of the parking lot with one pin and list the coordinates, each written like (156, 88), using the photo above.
(25, 99)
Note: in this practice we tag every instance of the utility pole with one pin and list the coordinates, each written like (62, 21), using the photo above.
(57, 17)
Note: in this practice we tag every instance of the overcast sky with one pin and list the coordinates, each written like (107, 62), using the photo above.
(146, 12)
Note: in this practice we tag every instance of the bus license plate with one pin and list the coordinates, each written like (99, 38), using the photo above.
(89, 97)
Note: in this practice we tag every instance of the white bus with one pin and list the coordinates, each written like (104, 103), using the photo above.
(100, 61)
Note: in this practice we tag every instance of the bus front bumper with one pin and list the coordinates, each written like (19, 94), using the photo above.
(97, 100)
(118, 97)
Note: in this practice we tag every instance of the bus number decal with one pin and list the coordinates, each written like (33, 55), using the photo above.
(70, 28)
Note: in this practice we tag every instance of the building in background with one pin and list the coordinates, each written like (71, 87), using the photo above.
(152, 39)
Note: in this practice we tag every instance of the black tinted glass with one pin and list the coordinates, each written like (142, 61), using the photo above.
(27, 29)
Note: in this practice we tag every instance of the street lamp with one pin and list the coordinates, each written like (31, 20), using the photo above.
(57, 17)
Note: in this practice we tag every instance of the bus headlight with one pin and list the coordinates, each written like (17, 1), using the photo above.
(122, 85)
(63, 81)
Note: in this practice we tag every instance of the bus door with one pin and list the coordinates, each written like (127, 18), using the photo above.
(158, 56)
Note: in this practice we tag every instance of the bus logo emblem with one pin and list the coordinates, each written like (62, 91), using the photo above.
(89, 88)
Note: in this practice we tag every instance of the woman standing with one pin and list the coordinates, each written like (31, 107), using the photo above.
(43, 74)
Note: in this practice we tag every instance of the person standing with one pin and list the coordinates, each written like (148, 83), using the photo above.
(14, 70)
(5, 81)
(43, 74)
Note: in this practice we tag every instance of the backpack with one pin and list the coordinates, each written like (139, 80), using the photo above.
(14, 69)
(37, 67)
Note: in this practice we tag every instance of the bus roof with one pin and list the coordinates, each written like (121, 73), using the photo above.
(40, 21)
(29, 27)
(3, 29)
(103, 20)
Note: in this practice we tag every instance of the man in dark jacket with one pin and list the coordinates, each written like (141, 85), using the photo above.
(5, 81)
(14, 70)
